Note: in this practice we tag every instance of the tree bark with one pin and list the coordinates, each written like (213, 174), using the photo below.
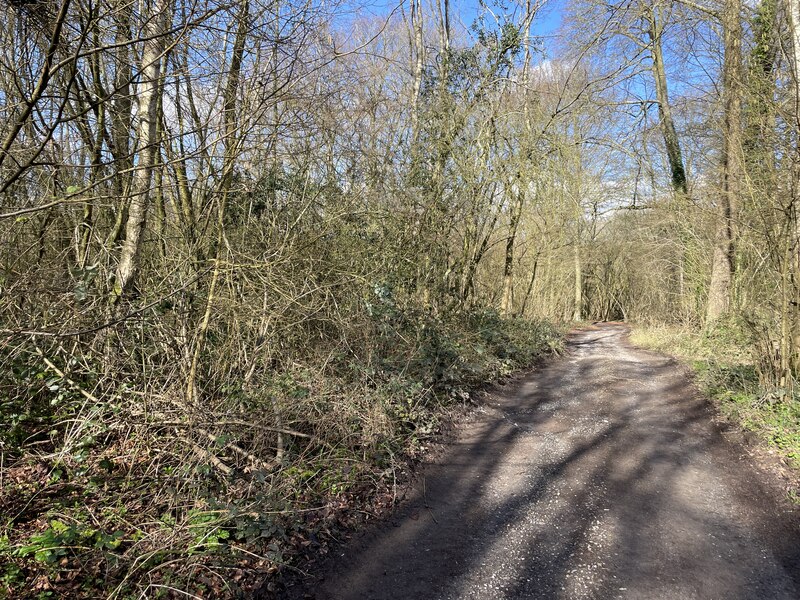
(147, 114)
(722, 267)
(121, 117)
(671, 140)
(577, 315)
(418, 61)
(531, 283)
(506, 305)
(790, 358)
(230, 130)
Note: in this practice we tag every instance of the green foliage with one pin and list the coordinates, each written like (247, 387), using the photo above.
(207, 531)
(59, 538)
(449, 353)
(83, 278)
(20, 411)
(730, 333)
(35, 397)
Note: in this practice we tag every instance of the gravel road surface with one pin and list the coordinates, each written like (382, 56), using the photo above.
(602, 474)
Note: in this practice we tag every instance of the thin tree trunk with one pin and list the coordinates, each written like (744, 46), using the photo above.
(531, 283)
(506, 305)
(418, 61)
(791, 295)
(577, 315)
(231, 139)
(433, 212)
(417, 67)
(96, 149)
(671, 140)
(147, 114)
(121, 117)
(468, 284)
(177, 160)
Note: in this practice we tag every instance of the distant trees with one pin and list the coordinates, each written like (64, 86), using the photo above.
(713, 237)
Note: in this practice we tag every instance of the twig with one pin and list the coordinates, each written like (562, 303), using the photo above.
(242, 452)
(203, 453)
(125, 317)
(61, 374)
(172, 589)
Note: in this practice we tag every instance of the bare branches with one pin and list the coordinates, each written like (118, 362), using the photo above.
(711, 12)
(41, 85)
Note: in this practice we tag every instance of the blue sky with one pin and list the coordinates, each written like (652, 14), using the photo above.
(465, 11)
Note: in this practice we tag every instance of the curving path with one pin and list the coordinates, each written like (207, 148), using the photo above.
(600, 475)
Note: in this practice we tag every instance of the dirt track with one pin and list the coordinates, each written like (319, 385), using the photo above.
(601, 475)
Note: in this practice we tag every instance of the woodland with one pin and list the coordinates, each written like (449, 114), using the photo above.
(253, 251)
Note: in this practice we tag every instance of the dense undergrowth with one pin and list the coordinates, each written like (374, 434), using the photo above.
(114, 491)
(727, 366)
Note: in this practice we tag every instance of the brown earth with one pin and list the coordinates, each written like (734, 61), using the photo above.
(603, 474)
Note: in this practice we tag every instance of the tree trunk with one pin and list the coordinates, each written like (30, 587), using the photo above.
(791, 296)
(121, 118)
(531, 283)
(577, 315)
(232, 140)
(722, 267)
(147, 114)
(506, 305)
(671, 140)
